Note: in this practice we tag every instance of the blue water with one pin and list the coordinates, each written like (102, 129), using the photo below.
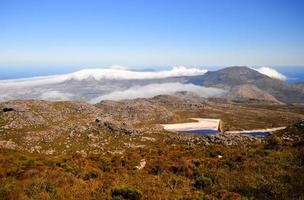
(205, 131)
(208, 132)
(259, 134)
(295, 74)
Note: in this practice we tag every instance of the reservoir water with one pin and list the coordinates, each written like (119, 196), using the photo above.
(259, 134)
(208, 132)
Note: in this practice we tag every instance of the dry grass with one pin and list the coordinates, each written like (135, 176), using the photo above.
(173, 171)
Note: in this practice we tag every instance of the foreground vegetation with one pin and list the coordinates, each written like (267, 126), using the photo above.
(117, 150)
(273, 170)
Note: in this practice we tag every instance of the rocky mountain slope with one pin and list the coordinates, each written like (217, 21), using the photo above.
(251, 83)
(57, 127)
(65, 127)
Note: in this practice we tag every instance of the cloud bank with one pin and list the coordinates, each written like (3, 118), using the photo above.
(55, 96)
(114, 73)
(272, 73)
(152, 90)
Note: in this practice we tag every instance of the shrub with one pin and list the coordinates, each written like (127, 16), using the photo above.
(156, 170)
(202, 182)
(273, 141)
(263, 152)
(196, 162)
(126, 192)
(227, 195)
(6, 191)
(49, 188)
(201, 198)
(38, 186)
(69, 167)
(13, 171)
(183, 168)
(90, 175)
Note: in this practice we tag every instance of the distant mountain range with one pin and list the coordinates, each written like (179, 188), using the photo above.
(236, 83)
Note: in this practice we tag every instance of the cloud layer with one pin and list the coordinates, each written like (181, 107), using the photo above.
(272, 73)
(158, 89)
(114, 73)
(55, 96)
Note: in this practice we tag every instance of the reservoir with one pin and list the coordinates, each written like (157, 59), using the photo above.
(200, 126)
(207, 126)
(259, 134)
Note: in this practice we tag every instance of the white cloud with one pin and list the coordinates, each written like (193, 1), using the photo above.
(115, 73)
(272, 73)
(55, 96)
(158, 89)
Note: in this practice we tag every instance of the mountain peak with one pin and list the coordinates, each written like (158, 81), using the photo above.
(232, 76)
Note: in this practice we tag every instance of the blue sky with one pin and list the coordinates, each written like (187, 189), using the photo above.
(60, 34)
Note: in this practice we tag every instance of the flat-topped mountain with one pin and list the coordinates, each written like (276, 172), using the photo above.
(247, 83)
(233, 76)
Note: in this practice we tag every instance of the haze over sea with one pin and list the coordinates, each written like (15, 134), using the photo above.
(294, 74)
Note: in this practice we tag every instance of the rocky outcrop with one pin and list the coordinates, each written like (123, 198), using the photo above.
(293, 133)
(222, 138)
(135, 111)
(8, 109)
(4, 144)
(118, 127)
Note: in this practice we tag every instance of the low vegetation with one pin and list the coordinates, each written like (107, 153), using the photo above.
(273, 170)
(96, 158)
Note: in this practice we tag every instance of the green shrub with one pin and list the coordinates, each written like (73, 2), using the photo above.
(201, 198)
(126, 192)
(202, 182)
(38, 186)
(14, 171)
(49, 188)
(69, 167)
(5, 191)
(196, 162)
(264, 152)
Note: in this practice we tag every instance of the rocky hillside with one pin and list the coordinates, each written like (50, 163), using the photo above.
(57, 127)
(117, 150)
(159, 109)
(173, 109)
(247, 91)
(94, 153)
(63, 127)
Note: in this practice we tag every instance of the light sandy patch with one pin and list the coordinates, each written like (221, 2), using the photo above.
(201, 124)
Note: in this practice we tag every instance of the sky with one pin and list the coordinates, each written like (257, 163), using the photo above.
(60, 35)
